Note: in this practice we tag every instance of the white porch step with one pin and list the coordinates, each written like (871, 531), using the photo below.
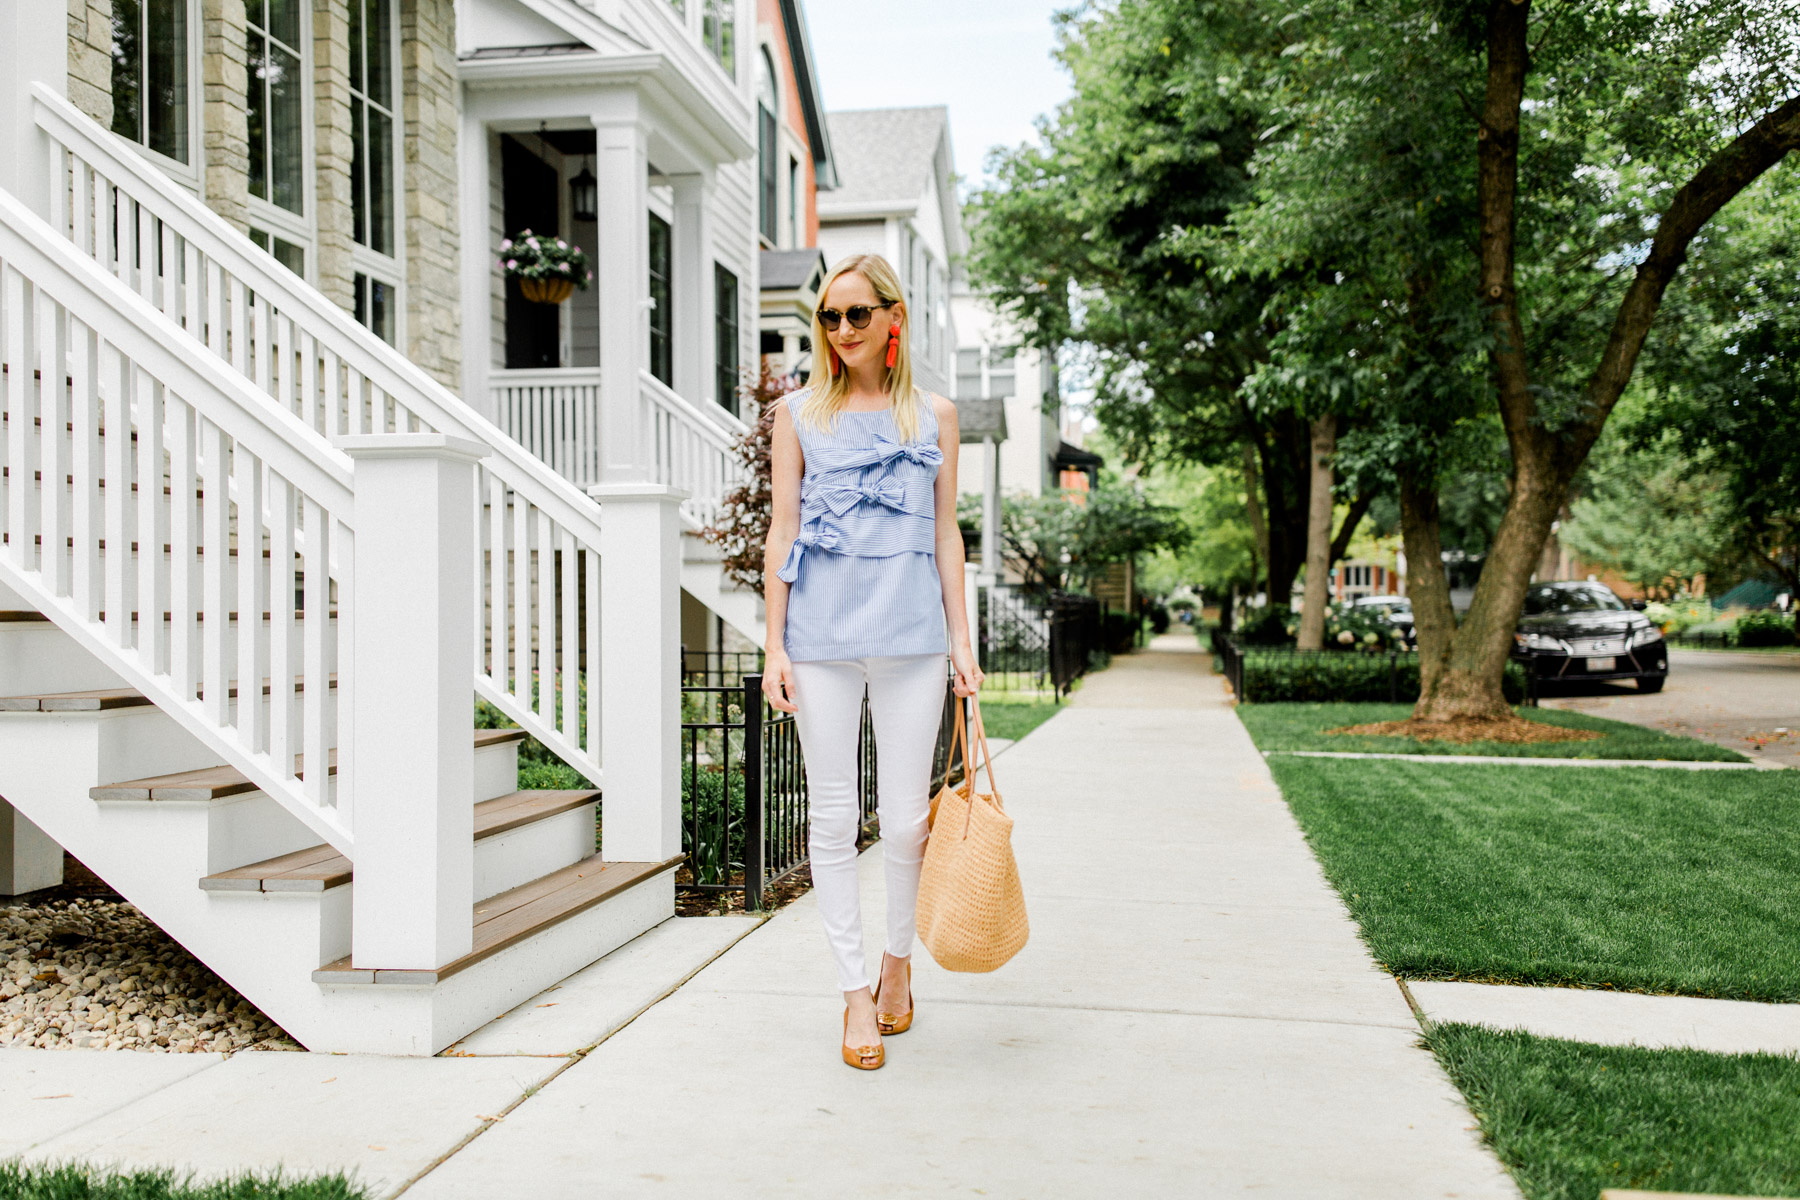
(516, 837)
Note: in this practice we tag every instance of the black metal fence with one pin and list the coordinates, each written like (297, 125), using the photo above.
(743, 786)
(718, 668)
(1036, 642)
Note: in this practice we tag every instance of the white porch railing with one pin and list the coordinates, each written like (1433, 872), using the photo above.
(157, 507)
(688, 449)
(556, 415)
(536, 652)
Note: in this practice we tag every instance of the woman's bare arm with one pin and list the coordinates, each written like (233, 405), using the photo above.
(786, 462)
(950, 553)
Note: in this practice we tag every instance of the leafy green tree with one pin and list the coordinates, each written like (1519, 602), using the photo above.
(1062, 540)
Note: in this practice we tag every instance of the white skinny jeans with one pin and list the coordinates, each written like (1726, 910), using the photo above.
(906, 703)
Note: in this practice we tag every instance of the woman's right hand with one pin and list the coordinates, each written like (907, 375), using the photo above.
(778, 681)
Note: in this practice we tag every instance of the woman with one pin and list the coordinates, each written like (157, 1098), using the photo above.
(863, 575)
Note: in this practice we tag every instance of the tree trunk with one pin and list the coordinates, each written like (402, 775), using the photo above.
(1427, 586)
(1318, 534)
(1359, 508)
(1545, 460)
(1253, 508)
(1283, 454)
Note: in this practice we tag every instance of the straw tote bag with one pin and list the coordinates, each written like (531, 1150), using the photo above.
(971, 913)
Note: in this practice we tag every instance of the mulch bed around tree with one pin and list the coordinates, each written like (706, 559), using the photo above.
(1514, 730)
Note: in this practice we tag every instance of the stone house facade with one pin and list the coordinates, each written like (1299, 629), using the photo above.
(326, 130)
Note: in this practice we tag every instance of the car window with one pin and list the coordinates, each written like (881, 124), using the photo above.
(1583, 598)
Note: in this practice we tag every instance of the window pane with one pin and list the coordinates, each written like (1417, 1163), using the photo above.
(765, 145)
(356, 44)
(290, 256)
(381, 310)
(127, 63)
(725, 338)
(257, 103)
(381, 181)
(166, 85)
(661, 313)
(284, 20)
(359, 172)
(286, 130)
(381, 49)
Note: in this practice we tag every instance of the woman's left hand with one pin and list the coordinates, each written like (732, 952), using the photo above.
(968, 674)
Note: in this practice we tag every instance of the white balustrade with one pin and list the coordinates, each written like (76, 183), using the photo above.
(538, 537)
(686, 448)
(555, 414)
(172, 521)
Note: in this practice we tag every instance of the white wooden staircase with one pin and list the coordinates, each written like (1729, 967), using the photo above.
(254, 568)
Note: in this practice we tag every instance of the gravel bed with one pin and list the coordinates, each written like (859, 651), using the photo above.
(96, 974)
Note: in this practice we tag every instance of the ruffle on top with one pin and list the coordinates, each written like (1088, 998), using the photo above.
(870, 500)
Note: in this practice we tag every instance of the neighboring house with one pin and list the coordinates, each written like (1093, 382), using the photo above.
(248, 259)
(896, 196)
(794, 161)
(991, 365)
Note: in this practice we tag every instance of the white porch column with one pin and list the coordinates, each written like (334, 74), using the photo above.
(474, 195)
(622, 275)
(991, 567)
(640, 670)
(412, 798)
(29, 860)
(34, 48)
(695, 354)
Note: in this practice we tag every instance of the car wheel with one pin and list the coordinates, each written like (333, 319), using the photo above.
(1650, 683)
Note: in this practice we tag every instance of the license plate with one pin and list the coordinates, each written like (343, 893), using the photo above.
(1602, 664)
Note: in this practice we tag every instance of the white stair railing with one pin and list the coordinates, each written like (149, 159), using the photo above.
(688, 449)
(537, 645)
(157, 507)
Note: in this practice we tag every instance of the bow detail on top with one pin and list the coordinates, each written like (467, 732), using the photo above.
(926, 454)
(824, 538)
(889, 492)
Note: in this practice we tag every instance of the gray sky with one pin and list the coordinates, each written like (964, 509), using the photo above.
(989, 62)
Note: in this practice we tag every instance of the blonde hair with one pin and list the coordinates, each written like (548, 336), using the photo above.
(826, 399)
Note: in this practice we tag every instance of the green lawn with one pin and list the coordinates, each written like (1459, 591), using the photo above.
(1643, 880)
(1014, 719)
(78, 1183)
(1569, 1119)
(1303, 726)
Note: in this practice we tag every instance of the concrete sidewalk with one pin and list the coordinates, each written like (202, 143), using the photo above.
(1194, 1016)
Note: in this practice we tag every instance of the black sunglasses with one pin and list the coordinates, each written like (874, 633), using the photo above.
(859, 315)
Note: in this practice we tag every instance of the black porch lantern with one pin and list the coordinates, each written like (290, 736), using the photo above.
(584, 195)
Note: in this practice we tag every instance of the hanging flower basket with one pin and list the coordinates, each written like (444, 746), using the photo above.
(547, 291)
(548, 269)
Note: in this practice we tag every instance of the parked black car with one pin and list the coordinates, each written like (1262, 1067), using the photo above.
(1583, 631)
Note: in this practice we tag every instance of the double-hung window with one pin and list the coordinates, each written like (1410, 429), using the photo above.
(275, 36)
(662, 308)
(767, 148)
(374, 192)
(725, 336)
(718, 32)
(150, 76)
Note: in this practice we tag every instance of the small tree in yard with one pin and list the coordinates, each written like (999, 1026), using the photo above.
(1060, 540)
(742, 525)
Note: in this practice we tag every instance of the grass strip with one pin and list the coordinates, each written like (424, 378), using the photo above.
(1641, 880)
(1303, 726)
(71, 1182)
(1568, 1118)
(1012, 720)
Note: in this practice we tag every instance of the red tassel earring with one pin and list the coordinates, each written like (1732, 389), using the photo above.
(831, 361)
(893, 344)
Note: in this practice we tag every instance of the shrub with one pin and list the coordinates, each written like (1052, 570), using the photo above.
(526, 255)
(1264, 627)
(1676, 615)
(1765, 628)
(1272, 677)
(1159, 617)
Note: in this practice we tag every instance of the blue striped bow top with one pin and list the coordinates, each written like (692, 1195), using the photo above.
(862, 575)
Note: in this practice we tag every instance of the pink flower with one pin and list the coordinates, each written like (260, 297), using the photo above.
(505, 244)
(590, 277)
(561, 245)
(512, 264)
(563, 267)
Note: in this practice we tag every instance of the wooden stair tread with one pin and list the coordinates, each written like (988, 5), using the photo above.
(514, 916)
(106, 699)
(216, 783)
(25, 617)
(320, 868)
(102, 700)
